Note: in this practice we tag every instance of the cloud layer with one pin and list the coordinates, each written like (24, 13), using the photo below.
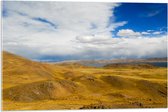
(75, 30)
(127, 33)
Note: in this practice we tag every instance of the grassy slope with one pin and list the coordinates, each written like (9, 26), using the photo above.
(31, 85)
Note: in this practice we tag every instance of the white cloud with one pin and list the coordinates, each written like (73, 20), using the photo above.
(132, 33)
(71, 20)
(153, 13)
(127, 47)
(128, 33)
(157, 32)
(93, 38)
(145, 33)
(79, 30)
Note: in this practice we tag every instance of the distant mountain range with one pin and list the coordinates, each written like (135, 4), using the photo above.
(100, 63)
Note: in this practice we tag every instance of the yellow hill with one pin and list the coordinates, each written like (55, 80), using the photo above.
(31, 85)
(18, 70)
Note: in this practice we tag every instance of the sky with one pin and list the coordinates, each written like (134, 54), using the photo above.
(57, 31)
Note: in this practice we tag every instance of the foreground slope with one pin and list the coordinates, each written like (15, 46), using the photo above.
(31, 85)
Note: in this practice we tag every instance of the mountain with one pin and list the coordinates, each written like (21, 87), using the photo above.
(101, 63)
(33, 85)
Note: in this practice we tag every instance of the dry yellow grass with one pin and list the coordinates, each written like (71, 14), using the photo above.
(29, 85)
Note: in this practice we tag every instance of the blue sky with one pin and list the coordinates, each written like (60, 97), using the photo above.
(142, 16)
(56, 31)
